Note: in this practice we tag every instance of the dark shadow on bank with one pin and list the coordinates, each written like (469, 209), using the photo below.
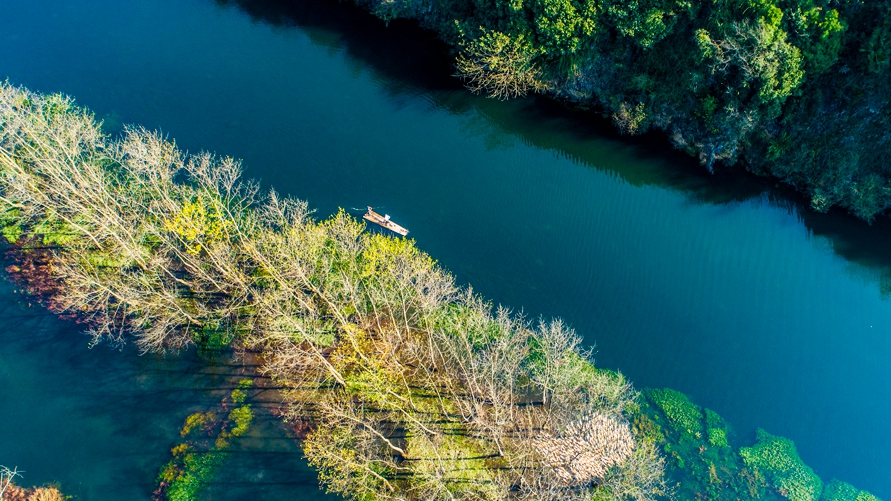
(411, 61)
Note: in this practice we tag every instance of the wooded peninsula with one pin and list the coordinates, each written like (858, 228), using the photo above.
(411, 387)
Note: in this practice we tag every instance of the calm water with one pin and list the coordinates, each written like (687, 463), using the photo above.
(722, 287)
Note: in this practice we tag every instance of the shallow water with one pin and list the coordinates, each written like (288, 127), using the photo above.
(101, 422)
(722, 287)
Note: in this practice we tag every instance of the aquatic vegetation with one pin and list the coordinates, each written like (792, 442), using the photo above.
(9, 227)
(717, 437)
(837, 490)
(716, 429)
(197, 420)
(646, 429)
(777, 458)
(682, 414)
(188, 473)
(710, 466)
(241, 418)
(208, 437)
(240, 393)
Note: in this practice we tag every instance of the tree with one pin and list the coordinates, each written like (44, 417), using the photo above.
(6, 477)
(499, 64)
(756, 63)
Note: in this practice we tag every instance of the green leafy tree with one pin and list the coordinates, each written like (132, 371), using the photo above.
(564, 26)
(646, 22)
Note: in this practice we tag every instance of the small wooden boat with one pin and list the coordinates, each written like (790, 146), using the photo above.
(384, 221)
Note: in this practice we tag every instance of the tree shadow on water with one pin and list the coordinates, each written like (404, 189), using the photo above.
(408, 61)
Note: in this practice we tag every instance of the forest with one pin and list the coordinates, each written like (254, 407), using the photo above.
(795, 89)
(413, 387)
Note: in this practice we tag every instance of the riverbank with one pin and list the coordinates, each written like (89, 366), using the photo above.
(799, 92)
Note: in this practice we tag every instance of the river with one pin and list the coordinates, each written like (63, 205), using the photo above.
(725, 287)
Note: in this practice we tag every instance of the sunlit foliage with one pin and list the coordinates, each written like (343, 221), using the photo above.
(413, 387)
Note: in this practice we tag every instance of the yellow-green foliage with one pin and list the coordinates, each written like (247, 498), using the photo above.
(333, 452)
(837, 490)
(200, 223)
(459, 459)
(716, 429)
(240, 419)
(717, 437)
(682, 414)
(57, 232)
(500, 64)
(647, 430)
(197, 420)
(192, 473)
(239, 394)
(384, 256)
(777, 459)
(367, 378)
(10, 227)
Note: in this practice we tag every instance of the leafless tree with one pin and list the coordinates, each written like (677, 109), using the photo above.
(6, 477)
(497, 64)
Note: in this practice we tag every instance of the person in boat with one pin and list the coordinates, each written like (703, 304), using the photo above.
(369, 209)
(387, 218)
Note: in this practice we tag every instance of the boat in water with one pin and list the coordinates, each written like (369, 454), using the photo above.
(384, 221)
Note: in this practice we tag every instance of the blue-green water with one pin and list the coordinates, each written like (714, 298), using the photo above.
(722, 287)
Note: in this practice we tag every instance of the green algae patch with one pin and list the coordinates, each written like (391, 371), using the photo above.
(206, 446)
(778, 459)
(702, 461)
(716, 428)
(836, 490)
(682, 414)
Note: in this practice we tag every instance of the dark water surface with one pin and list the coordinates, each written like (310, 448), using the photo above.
(723, 287)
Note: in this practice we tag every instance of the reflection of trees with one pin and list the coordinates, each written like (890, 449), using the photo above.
(411, 61)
